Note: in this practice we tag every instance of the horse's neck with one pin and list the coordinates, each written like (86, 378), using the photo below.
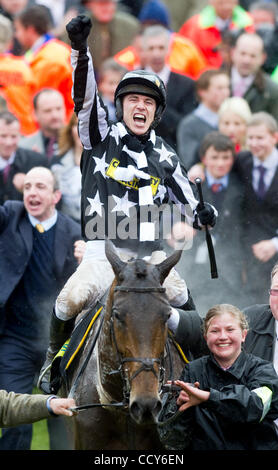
(109, 380)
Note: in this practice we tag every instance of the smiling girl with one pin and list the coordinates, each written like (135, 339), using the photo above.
(229, 398)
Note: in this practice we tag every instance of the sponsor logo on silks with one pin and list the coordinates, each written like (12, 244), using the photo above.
(134, 183)
(265, 395)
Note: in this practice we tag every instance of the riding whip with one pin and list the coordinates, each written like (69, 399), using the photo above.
(213, 266)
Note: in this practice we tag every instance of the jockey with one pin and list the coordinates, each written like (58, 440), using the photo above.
(126, 168)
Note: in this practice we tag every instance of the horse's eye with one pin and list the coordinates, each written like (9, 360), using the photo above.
(167, 315)
(117, 315)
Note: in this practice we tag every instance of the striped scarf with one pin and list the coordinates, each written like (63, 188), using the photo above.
(137, 150)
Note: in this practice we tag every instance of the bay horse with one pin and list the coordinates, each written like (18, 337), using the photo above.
(128, 363)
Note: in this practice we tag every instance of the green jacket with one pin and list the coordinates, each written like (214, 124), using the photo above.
(16, 408)
(263, 94)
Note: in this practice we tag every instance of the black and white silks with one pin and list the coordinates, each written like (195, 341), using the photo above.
(122, 173)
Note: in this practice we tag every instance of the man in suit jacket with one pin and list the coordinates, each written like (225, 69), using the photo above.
(49, 110)
(247, 77)
(262, 336)
(36, 261)
(258, 169)
(14, 160)
(262, 339)
(180, 97)
(222, 188)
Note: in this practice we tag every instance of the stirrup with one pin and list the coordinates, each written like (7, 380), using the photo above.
(44, 385)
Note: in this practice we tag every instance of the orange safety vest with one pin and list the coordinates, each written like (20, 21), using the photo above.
(52, 68)
(202, 31)
(17, 87)
(184, 57)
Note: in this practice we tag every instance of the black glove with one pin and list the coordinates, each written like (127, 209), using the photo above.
(78, 31)
(206, 215)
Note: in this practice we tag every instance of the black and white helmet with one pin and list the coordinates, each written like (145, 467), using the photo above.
(143, 83)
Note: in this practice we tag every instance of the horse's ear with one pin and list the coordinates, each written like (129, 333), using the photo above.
(165, 266)
(116, 263)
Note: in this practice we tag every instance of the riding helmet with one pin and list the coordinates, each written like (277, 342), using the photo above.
(143, 83)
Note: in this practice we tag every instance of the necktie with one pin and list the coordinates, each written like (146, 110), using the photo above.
(239, 89)
(39, 228)
(261, 185)
(216, 187)
(6, 172)
(50, 148)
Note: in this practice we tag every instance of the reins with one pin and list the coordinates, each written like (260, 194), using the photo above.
(140, 289)
(147, 364)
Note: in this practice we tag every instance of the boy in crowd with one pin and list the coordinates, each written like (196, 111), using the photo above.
(225, 191)
(258, 169)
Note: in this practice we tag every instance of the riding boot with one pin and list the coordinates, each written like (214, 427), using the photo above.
(59, 332)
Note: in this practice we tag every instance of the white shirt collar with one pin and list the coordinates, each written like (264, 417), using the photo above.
(211, 180)
(221, 24)
(4, 162)
(163, 74)
(270, 162)
(275, 355)
(207, 115)
(236, 78)
(47, 224)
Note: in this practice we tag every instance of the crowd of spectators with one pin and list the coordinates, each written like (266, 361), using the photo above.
(218, 60)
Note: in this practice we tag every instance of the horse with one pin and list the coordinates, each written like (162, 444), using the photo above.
(121, 386)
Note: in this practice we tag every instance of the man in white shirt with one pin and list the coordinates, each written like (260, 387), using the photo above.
(212, 88)
(180, 98)
(262, 339)
(14, 160)
(248, 80)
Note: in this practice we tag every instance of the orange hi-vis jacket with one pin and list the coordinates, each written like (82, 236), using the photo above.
(52, 68)
(183, 57)
(202, 31)
(17, 87)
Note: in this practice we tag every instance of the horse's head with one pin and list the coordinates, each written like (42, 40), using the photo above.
(139, 315)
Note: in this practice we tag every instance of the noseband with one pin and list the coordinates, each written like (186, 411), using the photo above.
(147, 363)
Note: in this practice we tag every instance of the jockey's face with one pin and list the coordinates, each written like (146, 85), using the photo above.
(138, 112)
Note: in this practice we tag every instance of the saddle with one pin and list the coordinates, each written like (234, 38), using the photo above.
(62, 362)
(74, 345)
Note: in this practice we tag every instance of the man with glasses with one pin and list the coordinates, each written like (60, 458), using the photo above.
(262, 337)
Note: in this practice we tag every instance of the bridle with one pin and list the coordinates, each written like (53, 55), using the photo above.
(147, 363)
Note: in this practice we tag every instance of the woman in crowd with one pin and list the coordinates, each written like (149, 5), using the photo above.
(66, 168)
(228, 399)
(234, 114)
